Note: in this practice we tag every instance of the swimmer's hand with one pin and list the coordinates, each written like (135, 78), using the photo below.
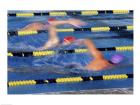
(76, 22)
(99, 64)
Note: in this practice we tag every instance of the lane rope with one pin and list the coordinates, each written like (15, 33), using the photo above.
(69, 79)
(54, 52)
(91, 29)
(66, 13)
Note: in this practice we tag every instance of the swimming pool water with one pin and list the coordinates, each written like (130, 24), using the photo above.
(53, 66)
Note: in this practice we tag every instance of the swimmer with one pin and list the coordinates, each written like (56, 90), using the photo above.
(51, 27)
(99, 62)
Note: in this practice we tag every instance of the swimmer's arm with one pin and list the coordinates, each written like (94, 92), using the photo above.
(56, 23)
(52, 36)
(92, 49)
(52, 29)
(33, 27)
(99, 63)
(74, 22)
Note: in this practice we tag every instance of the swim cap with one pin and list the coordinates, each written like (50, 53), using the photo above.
(117, 58)
(69, 39)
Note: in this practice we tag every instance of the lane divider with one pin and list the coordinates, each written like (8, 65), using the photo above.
(91, 29)
(66, 13)
(69, 80)
(53, 52)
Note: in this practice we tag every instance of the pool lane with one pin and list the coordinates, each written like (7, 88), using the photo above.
(35, 68)
(23, 21)
(48, 72)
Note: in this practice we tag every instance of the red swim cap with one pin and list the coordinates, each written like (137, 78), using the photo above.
(51, 19)
(69, 39)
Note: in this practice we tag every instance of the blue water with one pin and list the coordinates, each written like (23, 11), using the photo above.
(55, 66)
